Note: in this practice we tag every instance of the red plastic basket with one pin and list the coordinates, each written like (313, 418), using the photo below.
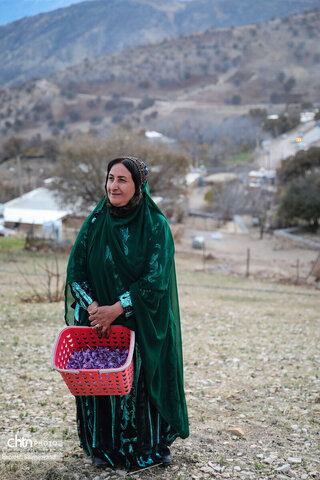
(112, 381)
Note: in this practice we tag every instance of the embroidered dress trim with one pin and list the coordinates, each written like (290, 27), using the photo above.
(125, 300)
(82, 293)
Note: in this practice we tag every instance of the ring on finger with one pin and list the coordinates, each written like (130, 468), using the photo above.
(97, 326)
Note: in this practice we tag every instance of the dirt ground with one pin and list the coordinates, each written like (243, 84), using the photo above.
(226, 251)
(227, 247)
(251, 356)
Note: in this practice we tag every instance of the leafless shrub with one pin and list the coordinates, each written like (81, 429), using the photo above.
(46, 282)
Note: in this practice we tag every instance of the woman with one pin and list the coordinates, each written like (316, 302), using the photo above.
(121, 271)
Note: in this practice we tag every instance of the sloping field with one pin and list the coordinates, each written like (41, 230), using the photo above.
(252, 356)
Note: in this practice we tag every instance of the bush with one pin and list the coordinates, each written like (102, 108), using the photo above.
(120, 105)
(144, 84)
(74, 116)
(275, 98)
(289, 84)
(281, 125)
(145, 103)
(95, 120)
(302, 201)
(91, 104)
(297, 166)
(260, 113)
(236, 100)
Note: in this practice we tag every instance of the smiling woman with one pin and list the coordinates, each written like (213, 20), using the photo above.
(120, 185)
(121, 272)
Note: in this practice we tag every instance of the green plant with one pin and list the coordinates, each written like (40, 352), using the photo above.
(11, 244)
(302, 201)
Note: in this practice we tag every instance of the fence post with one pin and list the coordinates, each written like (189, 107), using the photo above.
(248, 263)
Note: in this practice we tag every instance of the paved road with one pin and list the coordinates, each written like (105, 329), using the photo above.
(273, 152)
(312, 136)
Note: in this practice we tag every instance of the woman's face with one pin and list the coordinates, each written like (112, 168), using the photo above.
(120, 186)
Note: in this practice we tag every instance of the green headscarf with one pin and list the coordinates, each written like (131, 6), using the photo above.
(136, 254)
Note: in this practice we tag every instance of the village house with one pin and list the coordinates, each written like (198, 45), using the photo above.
(38, 213)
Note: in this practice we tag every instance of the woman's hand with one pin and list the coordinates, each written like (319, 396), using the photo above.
(102, 317)
(92, 308)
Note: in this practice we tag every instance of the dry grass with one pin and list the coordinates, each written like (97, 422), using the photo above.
(251, 361)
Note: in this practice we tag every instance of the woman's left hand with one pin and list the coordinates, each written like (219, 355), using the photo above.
(104, 316)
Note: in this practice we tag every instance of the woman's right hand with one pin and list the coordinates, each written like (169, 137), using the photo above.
(102, 317)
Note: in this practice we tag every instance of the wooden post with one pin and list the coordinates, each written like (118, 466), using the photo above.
(19, 174)
(248, 263)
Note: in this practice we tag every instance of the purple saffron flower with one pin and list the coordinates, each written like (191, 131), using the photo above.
(97, 358)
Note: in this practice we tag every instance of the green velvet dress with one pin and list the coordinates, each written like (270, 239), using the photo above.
(134, 254)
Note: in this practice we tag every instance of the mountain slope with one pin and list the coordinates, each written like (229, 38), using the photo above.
(280, 56)
(36, 46)
(50, 42)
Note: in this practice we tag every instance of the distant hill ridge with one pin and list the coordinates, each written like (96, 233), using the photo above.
(278, 56)
(50, 42)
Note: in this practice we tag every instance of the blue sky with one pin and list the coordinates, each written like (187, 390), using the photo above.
(11, 10)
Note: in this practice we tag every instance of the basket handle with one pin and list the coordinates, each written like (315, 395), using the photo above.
(75, 372)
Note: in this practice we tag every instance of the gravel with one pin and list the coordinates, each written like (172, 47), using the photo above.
(251, 365)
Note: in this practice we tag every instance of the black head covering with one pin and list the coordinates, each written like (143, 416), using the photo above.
(139, 172)
(136, 167)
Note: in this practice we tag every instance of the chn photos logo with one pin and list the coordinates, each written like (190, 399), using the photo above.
(41, 446)
(16, 442)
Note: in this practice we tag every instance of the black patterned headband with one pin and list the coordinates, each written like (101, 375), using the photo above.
(141, 168)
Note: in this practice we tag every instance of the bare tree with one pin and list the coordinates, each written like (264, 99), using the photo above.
(211, 140)
(234, 198)
(227, 200)
(51, 149)
(14, 148)
(259, 203)
(82, 164)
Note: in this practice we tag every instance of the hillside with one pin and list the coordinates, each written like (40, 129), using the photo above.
(276, 58)
(203, 78)
(49, 42)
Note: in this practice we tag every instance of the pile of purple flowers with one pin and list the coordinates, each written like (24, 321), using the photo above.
(100, 357)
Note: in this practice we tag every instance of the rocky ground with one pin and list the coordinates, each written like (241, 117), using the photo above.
(252, 355)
